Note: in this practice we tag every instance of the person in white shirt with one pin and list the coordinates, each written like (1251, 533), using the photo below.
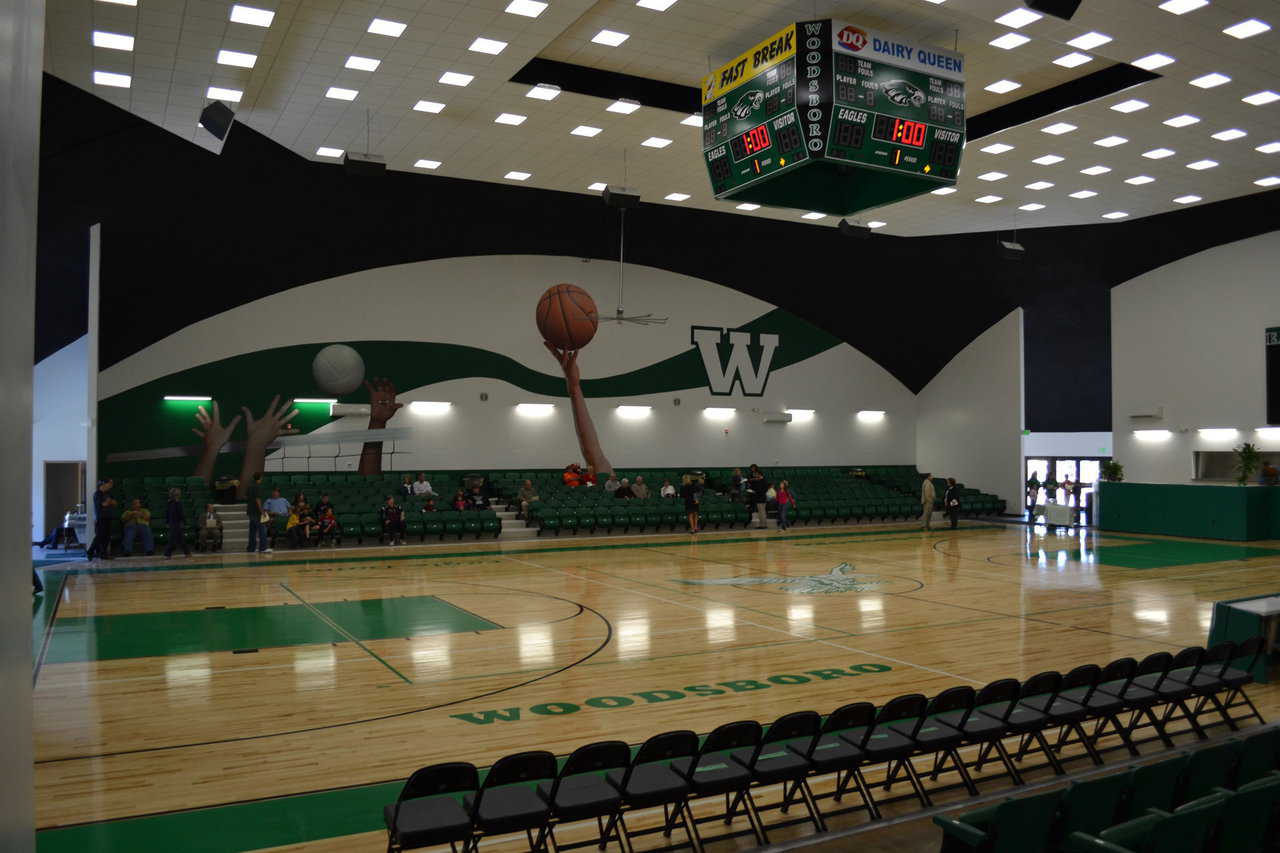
(421, 486)
(667, 490)
(612, 484)
(927, 497)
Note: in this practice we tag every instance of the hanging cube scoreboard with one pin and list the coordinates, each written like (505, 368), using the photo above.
(835, 118)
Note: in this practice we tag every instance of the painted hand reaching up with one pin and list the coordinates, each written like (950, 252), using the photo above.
(568, 361)
(213, 436)
(588, 442)
(262, 431)
(382, 402)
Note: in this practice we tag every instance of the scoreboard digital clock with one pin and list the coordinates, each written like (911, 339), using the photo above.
(833, 117)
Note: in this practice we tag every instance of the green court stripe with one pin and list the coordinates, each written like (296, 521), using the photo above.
(344, 632)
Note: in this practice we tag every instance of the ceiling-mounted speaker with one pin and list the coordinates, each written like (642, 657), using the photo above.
(216, 118)
(1063, 9)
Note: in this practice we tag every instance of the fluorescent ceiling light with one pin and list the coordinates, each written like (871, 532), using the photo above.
(518, 176)
(315, 400)
(634, 413)
(1268, 148)
(1259, 98)
(1158, 153)
(428, 164)
(988, 199)
(694, 120)
(1048, 159)
(943, 191)
(1245, 29)
(455, 78)
(870, 416)
(1208, 81)
(1152, 61)
(1089, 40)
(746, 205)
(1201, 165)
(429, 407)
(1018, 18)
(1095, 170)
(1269, 433)
(1071, 60)
(610, 38)
(1269, 181)
(585, 130)
(1229, 134)
(1218, 434)
(1130, 106)
(383, 27)
(535, 410)
(1186, 199)
(718, 414)
(251, 16)
(1152, 434)
(109, 78)
(1039, 185)
(1002, 86)
(428, 106)
(1031, 207)
(1115, 214)
(490, 46)
(598, 186)
(1058, 128)
(656, 5)
(997, 148)
(799, 416)
(510, 118)
(217, 93)
(813, 214)
(624, 106)
(362, 63)
(1182, 120)
(187, 398)
(1083, 194)
(656, 142)
(323, 151)
(543, 92)
(122, 2)
(116, 41)
(676, 196)
(1009, 41)
(1182, 7)
(340, 94)
(236, 59)
(1139, 180)
(533, 8)
(1110, 141)
(875, 223)
(992, 176)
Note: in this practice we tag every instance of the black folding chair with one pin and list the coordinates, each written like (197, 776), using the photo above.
(1240, 673)
(426, 814)
(943, 738)
(503, 805)
(1028, 720)
(1068, 712)
(1139, 700)
(891, 741)
(712, 772)
(582, 792)
(1175, 692)
(834, 751)
(649, 782)
(984, 723)
(1206, 682)
(1080, 685)
(775, 761)
(1105, 703)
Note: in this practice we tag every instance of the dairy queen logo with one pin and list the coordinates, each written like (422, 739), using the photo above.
(853, 38)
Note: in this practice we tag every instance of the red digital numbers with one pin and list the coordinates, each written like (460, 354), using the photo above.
(909, 132)
(756, 139)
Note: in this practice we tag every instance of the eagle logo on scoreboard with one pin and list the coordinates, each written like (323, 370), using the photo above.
(748, 103)
(853, 38)
(903, 93)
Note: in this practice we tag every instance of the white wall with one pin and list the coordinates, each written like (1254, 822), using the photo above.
(1041, 444)
(969, 417)
(1189, 337)
(60, 417)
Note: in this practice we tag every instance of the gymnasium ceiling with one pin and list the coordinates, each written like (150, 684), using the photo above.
(302, 53)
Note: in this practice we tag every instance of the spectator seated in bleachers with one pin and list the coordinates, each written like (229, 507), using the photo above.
(327, 527)
(276, 506)
(422, 486)
(430, 506)
(324, 504)
(137, 522)
(623, 490)
(572, 475)
(300, 532)
(589, 477)
(639, 489)
(667, 490)
(392, 517)
(612, 484)
(209, 530)
(406, 486)
(477, 500)
(459, 502)
(527, 495)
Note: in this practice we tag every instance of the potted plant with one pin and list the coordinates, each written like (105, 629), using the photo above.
(1248, 460)
(1111, 471)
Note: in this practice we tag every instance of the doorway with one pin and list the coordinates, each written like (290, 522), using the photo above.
(63, 492)
(1081, 470)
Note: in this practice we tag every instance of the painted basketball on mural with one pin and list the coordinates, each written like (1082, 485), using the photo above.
(567, 317)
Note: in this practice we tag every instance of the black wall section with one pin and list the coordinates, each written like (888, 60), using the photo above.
(187, 235)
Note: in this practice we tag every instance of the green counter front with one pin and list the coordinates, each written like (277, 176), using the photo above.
(1240, 513)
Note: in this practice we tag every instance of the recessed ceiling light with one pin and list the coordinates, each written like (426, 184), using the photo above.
(656, 5)
(656, 142)
(1058, 128)
(1139, 180)
(1269, 181)
(1269, 148)
(490, 46)
(610, 38)
(533, 8)
(363, 63)
(340, 94)
(510, 118)
(1031, 207)
(624, 106)
(1095, 170)
(1245, 29)
(428, 106)
(1152, 61)
(518, 176)
(746, 205)
(237, 59)
(876, 223)
(1110, 141)
(943, 191)
(116, 41)
(1229, 134)
(585, 130)
(676, 196)
(543, 92)
(383, 27)
(988, 199)
(122, 2)
(1089, 40)
(1186, 199)
(1083, 194)
(813, 214)
(1260, 98)
(251, 16)
(992, 176)
(1009, 41)
(997, 148)
(108, 78)
(1182, 7)
(428, 164)
(1130, 106)
(1181, 121)
(1048, 159)
(217, 93)
(1002, 86)
(1039, 185)
(1018, 18)
(598, 186)
(454, 78)
(1115, 214)
(1201, 165)
(322, 151)
(1208, 81)
(1071, 60)
(692, 121)
(1158, 153)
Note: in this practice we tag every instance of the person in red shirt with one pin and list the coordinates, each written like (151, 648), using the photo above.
(589, 478)
(786, 504)
(459, 500)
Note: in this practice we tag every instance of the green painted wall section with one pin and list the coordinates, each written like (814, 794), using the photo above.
(1239, 513)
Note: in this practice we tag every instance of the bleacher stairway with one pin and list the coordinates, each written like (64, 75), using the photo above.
(235, 527)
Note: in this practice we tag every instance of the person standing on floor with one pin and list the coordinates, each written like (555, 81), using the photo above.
(951, 502)
(927, 497)
(103, 515)
(176, 517)
(786, 504)
(692, 494)
(258, 518)
(757, 500)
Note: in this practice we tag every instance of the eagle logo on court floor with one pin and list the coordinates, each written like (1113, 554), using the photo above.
(839, 579)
